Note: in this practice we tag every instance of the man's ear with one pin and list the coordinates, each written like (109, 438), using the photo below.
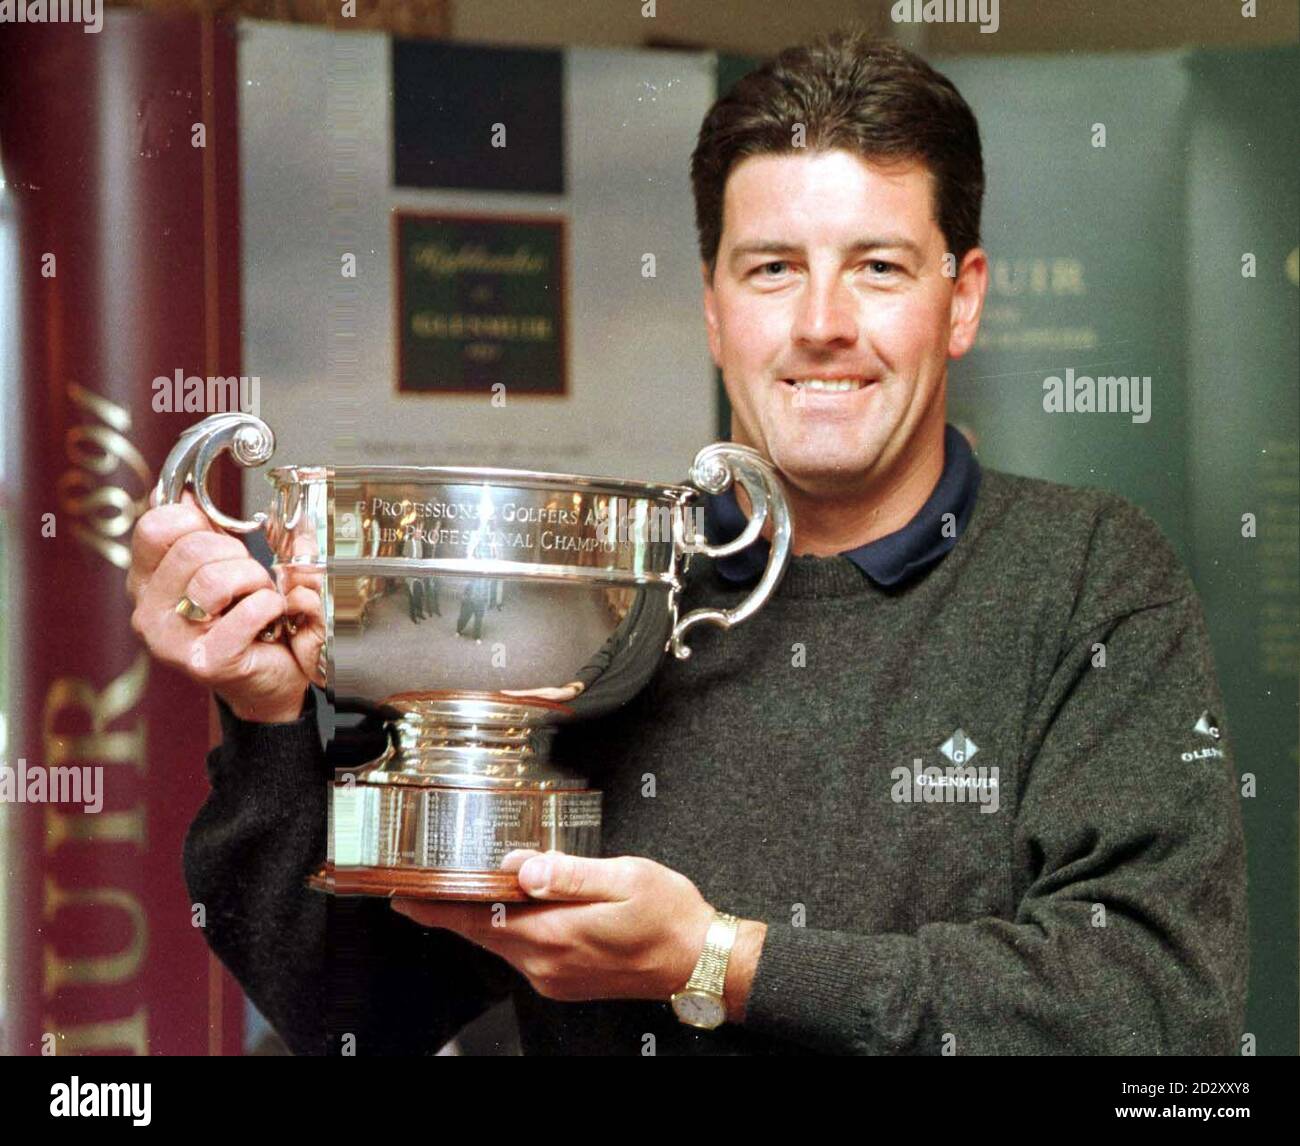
(968, 293)
(711, 316)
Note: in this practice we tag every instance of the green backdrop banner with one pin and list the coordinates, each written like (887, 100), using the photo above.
(1243, 445)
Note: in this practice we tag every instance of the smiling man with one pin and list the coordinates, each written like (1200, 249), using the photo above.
(804, 853)
(832, 319)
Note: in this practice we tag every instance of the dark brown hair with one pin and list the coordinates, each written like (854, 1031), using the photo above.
(852, 93)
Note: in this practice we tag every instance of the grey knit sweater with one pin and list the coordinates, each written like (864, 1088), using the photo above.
(991, 811)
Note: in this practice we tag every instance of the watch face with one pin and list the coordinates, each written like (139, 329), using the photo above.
(699, 1009)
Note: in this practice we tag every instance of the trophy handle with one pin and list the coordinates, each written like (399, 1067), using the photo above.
(248, 439)
(714, 469)
(251, 443)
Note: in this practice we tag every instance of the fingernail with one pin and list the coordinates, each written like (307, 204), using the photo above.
(539, 875)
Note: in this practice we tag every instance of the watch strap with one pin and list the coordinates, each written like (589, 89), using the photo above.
(710, 972)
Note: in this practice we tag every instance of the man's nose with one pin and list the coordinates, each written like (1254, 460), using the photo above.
(827, 314)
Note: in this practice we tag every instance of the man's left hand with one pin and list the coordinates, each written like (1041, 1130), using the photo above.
(625, 928)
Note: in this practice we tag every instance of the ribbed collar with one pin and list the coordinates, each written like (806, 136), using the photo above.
(889, 560)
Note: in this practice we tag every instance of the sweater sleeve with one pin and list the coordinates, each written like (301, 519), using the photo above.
(1129, 934)
(318, 967)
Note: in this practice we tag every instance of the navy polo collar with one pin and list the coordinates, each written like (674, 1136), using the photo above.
(888, 560)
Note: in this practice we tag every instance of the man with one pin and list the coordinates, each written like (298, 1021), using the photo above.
(473, 605)
(962, 786)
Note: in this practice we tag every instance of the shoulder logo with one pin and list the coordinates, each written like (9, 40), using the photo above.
(959, 747)
(1207, 724)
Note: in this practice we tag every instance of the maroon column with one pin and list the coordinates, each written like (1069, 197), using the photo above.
(128, 268)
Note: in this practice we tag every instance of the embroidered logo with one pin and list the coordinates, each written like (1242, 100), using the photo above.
(962, 784)
(959, 747)
(1207, 724)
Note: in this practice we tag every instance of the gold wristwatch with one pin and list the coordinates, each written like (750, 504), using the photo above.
(699, 1003)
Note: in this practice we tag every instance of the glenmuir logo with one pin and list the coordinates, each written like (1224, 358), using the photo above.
(77, 1099)
(959, 747)
(1207, 724)
(951, 785)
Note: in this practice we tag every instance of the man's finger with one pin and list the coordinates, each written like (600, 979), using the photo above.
(307, 634)
(555, 875)
(154, 534)
(163, 586)
(234, 632)
(514, 860)
(216, 584)
(468, 919)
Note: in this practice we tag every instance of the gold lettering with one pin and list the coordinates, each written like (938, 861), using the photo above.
(506, 328)
(113, 449)
(441, 261)
(101, 450)
(106, 411)
(112, 551)
(103, 828)
(132, 1033)
(113, 525)
(117, 747)
(63, 971)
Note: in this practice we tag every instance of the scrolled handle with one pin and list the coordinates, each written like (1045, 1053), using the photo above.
(713, 471)
(248, 439)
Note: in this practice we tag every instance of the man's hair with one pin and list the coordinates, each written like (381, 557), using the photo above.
(852, 93)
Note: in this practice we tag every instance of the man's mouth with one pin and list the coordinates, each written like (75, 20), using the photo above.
(829, 385)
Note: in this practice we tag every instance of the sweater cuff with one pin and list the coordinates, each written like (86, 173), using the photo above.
(281, 758)
(811, 986)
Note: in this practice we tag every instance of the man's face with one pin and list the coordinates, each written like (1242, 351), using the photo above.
(831, 268)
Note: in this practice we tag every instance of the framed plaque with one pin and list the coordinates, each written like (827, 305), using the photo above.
(480, 304)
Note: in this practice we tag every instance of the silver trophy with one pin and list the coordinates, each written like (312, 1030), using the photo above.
(478, 609)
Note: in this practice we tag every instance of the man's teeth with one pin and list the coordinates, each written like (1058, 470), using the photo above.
(828, 384)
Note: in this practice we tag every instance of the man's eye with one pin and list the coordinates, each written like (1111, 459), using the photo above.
(879, 266)
(775, 267)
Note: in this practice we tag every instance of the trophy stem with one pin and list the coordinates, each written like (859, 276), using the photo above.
(462, 783)
(470, 744)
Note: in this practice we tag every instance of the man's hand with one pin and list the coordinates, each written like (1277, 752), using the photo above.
(625, 928)
(176, 551)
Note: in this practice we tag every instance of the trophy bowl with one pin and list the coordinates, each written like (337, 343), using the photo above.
(477, 610)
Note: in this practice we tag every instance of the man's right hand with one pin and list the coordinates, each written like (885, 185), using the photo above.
(176, 551)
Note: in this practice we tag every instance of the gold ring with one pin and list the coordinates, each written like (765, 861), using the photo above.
(192, 610)
(291, 626)
(271, 633)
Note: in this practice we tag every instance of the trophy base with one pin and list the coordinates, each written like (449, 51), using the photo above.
(430, 841)
(410, 883)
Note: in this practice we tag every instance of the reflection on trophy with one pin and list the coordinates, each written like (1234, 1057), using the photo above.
(478, 609)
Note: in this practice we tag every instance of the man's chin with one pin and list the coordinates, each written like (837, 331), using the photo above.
(822, 475)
